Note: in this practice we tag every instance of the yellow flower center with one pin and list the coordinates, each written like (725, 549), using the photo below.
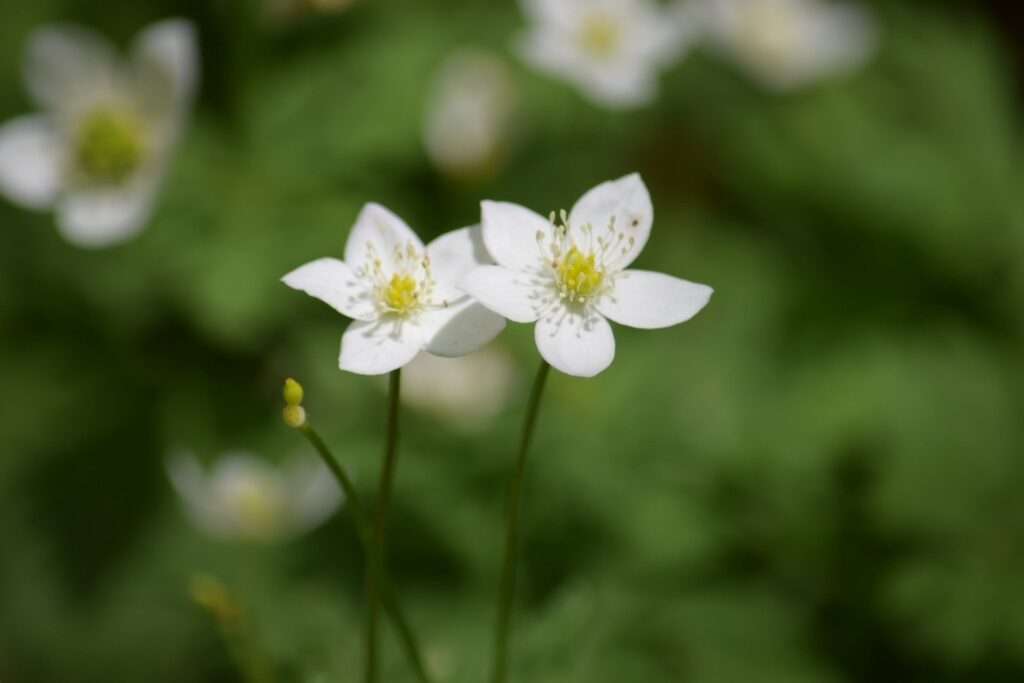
(259, 510)
(579, 276)
(110, 146)
(769, 32)
(600, 36)
(401, 294)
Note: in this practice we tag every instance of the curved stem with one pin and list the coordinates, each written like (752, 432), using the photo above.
(507, 589)
(379, 547)
(365, 532)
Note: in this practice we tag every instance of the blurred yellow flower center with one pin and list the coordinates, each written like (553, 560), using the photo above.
(578, 275)
(401, 294)
(601, 36)
(110, 145)
(769, 32)
(259, 510)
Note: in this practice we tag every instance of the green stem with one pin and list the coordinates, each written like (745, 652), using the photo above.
(365, 532)
(507, 589)
(379, 547)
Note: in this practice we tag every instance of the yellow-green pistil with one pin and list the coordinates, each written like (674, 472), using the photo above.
(579, 277)
(600, 36)
(401, 295)
(110, 145)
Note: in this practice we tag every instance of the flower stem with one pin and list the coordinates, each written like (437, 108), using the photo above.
(365, 532)
(507, 589)
(379, 546)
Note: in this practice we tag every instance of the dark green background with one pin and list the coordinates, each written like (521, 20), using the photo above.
(817, 479)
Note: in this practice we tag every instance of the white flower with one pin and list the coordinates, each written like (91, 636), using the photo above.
(401, 294)
(612, 50)
(465, 392)
(788, 43)
(98, 150)
(570, 277)
(244, 497)
(468, 120)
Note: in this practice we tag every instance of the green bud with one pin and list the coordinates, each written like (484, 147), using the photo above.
(292, 392)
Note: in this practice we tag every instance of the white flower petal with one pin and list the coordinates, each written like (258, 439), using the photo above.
(465, 392)
(67, 63)
(469, 118)
(649, 301)
(841, 37)
(377, 233)
(376, 348)
(510, 233)
(574, 343)
(460, 329)
(30, 161)
(452, 256)
(312, 493)
(166, 62)
(562, 14)
(506, 292)
(628, 202)
(333, 282)
(102, 217)
(190, 482)
(623, 86)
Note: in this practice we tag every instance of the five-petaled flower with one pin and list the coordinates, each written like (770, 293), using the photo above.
(402, 296)
(570, 275)
(612, 50)
(98, 151)
(785, 44)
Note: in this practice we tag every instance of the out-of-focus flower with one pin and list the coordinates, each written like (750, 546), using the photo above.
(612, 50)
(401, 295)
(785, 44)
(465, 392)
(244, 497)
(571, 276)
(470, 115)
(98, 151)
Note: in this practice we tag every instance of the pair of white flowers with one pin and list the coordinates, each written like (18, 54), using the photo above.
(568, 274)
(613, 50)
(98, 150)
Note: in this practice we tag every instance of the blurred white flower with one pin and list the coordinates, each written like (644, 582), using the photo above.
(465, 392)
(401, 295)
(612, 50)
(98, 150)
(244, 497)
(571, 276)
(470, 114)
(785, 44)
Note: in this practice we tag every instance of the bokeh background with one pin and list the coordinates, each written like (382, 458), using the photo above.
(818, 479)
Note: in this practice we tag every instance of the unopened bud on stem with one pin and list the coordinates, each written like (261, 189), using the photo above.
(292, 392)
(294, 416)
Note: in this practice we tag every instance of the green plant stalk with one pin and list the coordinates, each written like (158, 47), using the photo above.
(390, 601)
(379, 541)
(507, 587)
(249, 660)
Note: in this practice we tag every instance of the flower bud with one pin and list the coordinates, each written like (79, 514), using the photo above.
(294, 416)
(292, 392)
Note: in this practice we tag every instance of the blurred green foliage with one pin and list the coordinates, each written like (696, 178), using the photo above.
(818, 479)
